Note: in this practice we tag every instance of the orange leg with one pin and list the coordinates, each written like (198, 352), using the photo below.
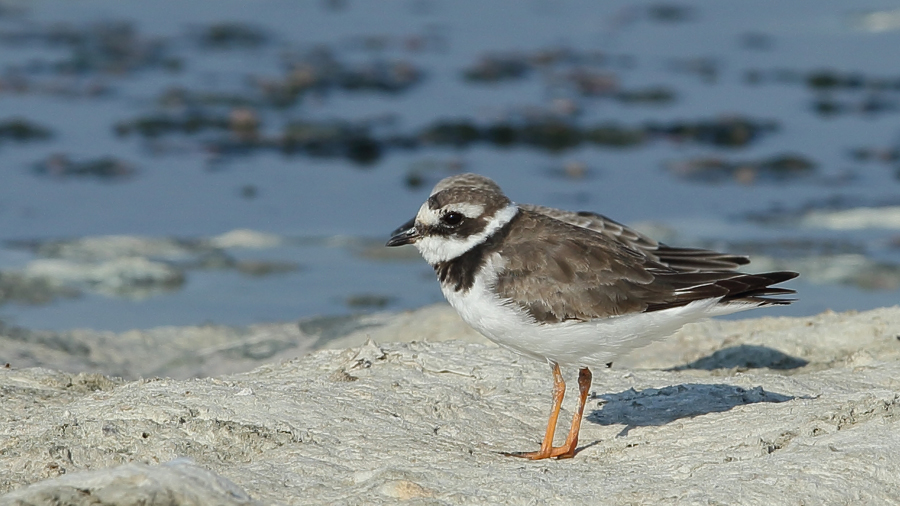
(559, 391)
(584, 387)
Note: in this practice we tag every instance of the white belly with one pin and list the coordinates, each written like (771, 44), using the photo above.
(570, 343)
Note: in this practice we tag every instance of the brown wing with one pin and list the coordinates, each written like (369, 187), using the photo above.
(559, 271)
(682, 259)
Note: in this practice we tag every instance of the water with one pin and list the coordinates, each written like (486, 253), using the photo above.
(332, 212)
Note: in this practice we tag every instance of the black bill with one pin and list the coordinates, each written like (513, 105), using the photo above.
(406, 234)
(403, 228)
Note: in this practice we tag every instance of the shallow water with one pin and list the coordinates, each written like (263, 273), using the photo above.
(200, 185)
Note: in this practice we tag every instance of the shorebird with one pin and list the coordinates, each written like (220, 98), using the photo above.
(572, 289)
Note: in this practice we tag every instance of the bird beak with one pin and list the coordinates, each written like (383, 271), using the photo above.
(403, 228)
(405, 234)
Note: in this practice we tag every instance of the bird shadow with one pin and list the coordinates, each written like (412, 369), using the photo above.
(659, 406)
(745, 356)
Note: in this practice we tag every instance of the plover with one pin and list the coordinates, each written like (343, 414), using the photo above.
(573, 293)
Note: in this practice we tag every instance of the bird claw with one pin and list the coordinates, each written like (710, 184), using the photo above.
(560, 452)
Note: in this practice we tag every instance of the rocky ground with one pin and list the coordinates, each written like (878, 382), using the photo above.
(757, 411)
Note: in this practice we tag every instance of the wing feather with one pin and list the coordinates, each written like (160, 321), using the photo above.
(558, 271)
(687, 259)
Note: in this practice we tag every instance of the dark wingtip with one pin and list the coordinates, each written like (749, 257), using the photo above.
(781, 276)
(754, 288)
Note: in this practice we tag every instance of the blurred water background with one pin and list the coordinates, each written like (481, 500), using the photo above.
(175, 163)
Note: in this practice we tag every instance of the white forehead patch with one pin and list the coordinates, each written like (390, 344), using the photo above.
(427, 215)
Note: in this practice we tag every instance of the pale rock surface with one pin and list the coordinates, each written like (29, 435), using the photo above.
(725, 412)
(854, 219)
(245, 238)
(208, 350)
(177, 482)
(132, 277)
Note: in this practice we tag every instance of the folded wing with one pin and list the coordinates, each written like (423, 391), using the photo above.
(584, 274)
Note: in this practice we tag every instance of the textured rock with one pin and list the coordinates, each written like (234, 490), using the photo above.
(724, 412)
(196, 351)
(178, 482)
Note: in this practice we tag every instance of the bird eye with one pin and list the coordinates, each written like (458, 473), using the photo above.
(452, 219)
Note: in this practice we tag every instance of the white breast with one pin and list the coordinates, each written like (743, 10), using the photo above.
(570, 343)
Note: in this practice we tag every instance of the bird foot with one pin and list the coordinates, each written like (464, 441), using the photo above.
(559, 452)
